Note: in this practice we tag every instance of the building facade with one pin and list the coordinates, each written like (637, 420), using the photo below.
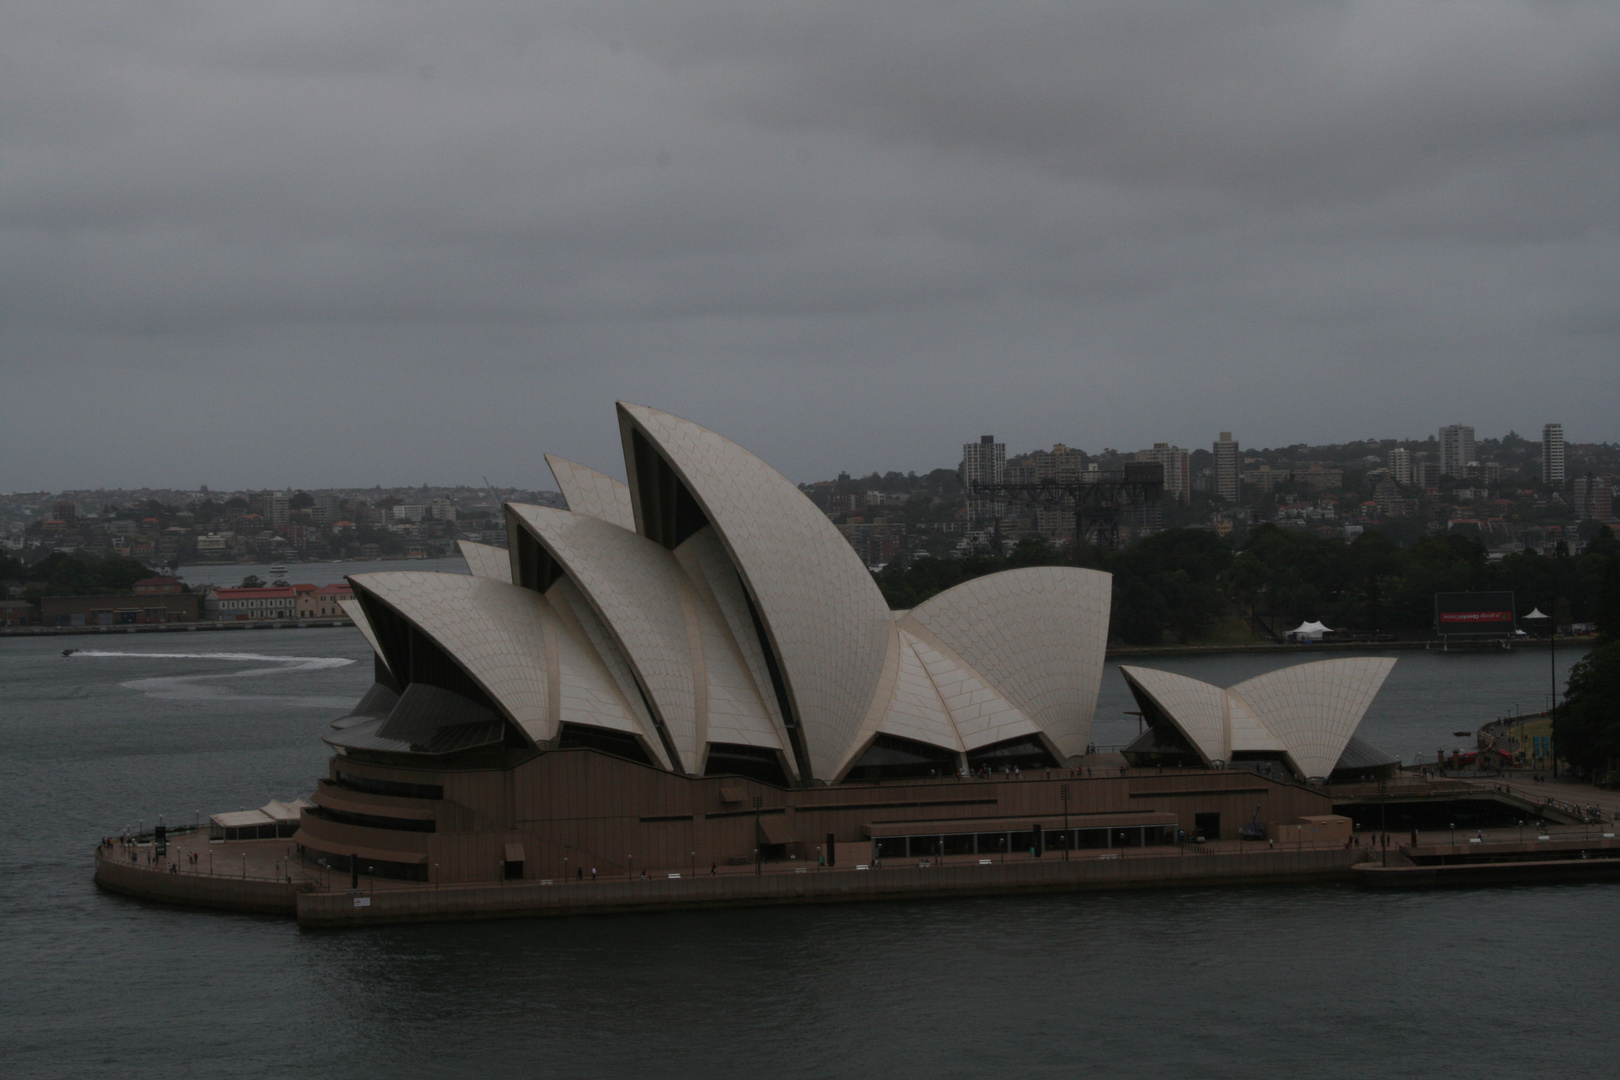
(1400, 466)
(1456, 449)
(1226, 468)
(1552, 455)
(1177, 470)
(983, 462)
(247, 605)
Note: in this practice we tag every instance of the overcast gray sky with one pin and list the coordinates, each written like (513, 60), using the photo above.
(308, 244)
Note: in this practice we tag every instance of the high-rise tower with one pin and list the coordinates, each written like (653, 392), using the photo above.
(1456, 448)
(1400, 466)
(983, 462)
(1552, 454)
(1226, 467)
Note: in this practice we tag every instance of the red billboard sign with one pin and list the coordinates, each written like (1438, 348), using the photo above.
(1484, 613)
(1475, 616)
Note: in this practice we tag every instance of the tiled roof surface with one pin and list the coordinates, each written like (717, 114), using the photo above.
(592, 493)
(824, 614)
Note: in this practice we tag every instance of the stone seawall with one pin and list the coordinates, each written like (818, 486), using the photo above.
(527, 899)
(1541, 872)
(196, 890)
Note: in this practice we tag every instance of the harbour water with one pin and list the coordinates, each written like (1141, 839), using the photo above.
(1322, 981)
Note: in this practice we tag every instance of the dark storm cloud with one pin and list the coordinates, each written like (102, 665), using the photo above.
(438, 239)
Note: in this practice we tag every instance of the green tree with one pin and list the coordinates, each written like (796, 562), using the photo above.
(1587, 729)
(1172, 578)
(1606, 611)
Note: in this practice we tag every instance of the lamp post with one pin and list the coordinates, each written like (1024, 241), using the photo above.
(1383, 820)
(1063, 793)
(758, 861)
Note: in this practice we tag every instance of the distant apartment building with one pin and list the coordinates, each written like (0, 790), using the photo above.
(1425, 473)
(983, 462)
(1177, 469)
(214, 545)
(327, 508)
(1264, 478)
(412, 512)
(271, 506)
(1592, 498)
(1400, 466)
(1059, 463)
(877, 543)
(1226, 468)
(1321, 477)
(1456, 449)
(1552, 454)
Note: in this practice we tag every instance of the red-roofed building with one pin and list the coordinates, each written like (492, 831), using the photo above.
(246, 605)
(322, 603)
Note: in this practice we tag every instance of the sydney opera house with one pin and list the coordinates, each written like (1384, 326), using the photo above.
(694, 669)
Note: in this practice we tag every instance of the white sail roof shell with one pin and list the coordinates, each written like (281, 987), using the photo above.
(486, 561)
(494, 630)
(1308, 711)
(828, 625)
(357, 615)
(638, 589)
(677, 647)
(1036, 635)
(593, 493)
(1197, 708)
(916, 710)
(596, 685)
(736, 708)
(1314, 709)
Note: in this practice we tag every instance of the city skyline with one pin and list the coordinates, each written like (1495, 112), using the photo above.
(423, 244)
(538, 478)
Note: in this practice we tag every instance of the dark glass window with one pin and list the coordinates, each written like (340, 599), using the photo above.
(374, 821)
(383, 868)
(372, 786)
(889, 756)
(754, 762)
(1023, 753)
(618, 743)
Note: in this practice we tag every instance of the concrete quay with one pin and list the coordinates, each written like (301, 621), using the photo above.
(249, 876)
(258, 876)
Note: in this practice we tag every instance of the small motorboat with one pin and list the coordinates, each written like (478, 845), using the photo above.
(69, 652)
(1461, 734)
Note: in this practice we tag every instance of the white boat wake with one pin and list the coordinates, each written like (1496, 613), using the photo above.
(191, 687)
